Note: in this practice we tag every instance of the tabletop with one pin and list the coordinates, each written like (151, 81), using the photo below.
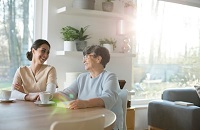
(24, 115)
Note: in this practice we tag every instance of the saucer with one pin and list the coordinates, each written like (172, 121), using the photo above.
(7, 101)
(39, 103)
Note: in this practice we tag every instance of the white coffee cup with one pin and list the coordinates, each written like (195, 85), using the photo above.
(5, 94)
(45, 97)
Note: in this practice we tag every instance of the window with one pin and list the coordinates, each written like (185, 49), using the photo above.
(16, 33)
(168, 47)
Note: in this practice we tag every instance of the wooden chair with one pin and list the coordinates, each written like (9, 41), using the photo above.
(122, 83)
(90, 123)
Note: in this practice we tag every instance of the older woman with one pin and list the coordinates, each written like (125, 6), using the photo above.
(29, 80)
(95, 88)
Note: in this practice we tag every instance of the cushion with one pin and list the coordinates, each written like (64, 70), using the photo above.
(182, 94)
(197, 87)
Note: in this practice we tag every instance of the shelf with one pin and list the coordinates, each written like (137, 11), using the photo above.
(73, 53)
(94, 13)
(79, 53)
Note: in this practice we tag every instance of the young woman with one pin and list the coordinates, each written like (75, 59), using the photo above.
(30, 80)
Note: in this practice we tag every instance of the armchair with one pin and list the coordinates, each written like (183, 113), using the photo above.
(166, 115)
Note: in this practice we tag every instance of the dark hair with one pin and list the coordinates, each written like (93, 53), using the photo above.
(36, 45)
(98, 51)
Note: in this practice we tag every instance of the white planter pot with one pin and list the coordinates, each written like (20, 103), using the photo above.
(109, 47)
(69, 45)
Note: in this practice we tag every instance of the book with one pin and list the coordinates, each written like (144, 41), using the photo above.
(184, 103)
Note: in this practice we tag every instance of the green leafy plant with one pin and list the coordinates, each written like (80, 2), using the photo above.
(69, 33)
(81, 32)
(108, 41)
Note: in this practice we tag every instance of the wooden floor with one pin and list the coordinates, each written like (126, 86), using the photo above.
(153, 128)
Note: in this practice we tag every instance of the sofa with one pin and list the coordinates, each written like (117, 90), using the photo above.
(165, 114)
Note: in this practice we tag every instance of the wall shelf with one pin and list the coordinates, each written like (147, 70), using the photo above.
(94, 13)
(79, 53)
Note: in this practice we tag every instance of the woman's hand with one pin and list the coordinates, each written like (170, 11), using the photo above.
(94, 102)
(19, 88)
(78, 104)
(32, 97)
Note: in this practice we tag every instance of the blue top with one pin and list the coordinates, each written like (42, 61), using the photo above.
(104, 86)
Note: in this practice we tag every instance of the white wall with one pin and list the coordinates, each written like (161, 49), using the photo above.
(99, 28)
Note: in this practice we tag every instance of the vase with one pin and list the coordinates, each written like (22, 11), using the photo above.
(69, 45)
(126, 47)
(107, 6)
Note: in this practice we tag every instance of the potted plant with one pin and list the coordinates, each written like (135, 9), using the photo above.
(82, 37)
(69, 35)
(108, 43)
(107, 6)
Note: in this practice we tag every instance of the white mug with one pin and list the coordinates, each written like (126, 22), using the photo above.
(45, 97)
(5, 94)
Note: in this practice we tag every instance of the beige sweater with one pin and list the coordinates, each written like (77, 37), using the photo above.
(31, 83)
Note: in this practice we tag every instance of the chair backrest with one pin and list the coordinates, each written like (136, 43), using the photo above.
(122, 83)
(91, 123)
(124, 95)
